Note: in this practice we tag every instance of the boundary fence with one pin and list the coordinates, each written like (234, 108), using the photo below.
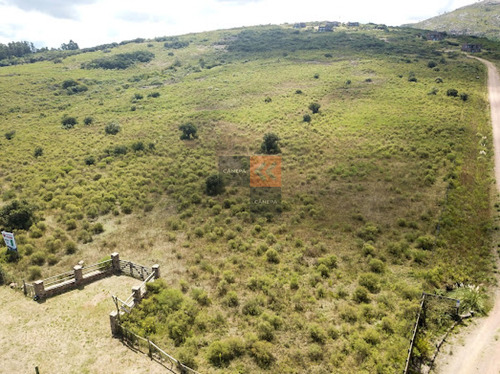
(80, 276)
(421, 312)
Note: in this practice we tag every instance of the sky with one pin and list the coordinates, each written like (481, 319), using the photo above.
(49, 23)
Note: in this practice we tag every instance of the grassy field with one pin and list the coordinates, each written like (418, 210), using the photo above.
(386, 191)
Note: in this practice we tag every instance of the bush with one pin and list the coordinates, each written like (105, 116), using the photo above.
(90, 160)
(317, 334)
(370, 281)
(154, 94)
(262, 354)
(88, 121)
(272, 256)
(38, 258)
(314, 107)
(188, 131)
(214, 185)
(221, 352)
(120, 61)
(464, 96)
(425, 242)
(265, 331)
(38, 152)
(360, 295)
(431, 64)
(270, 144)
(9, 135)
(231, 299)
(112, 128)
(70, 247)
(34, 272)
(306, 118)
(17, 215)
(68, 122)
(452, 92)
(315, 352)
(138, 146)
(377, 266)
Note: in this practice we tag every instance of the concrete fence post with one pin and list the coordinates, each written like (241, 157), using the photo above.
(113, 321)
(136, 291)
(115, 262)
(39, 289)
(78, 275)
(156, 271)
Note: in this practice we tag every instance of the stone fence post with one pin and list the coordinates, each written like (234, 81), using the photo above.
(156, 271)
(136, 291)
(78, 275)
(115, 262)
(113, 320)
(39, 289)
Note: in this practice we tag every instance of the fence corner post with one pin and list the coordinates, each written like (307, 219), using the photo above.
(136, 291)
(39, 289)
(115, 262)
(113, 320)
(156, 271)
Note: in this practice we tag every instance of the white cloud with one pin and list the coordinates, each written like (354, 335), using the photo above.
(94, 22)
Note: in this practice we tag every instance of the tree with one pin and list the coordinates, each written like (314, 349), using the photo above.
(71, 46)
(17, 215)
(270, 144)
(314, 107)
(188, 131)
(68, 122)
(214, 185)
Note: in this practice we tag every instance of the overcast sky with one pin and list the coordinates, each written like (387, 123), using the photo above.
(92, 22)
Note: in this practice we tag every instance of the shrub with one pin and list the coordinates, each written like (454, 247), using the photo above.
(214, 185)
(252, 308)
(464, 96)
(370, 281)
(298, 92)
(112, 128)
(120, 61)
(377, 266)
(360, 295)
(270, 144)
(431, 64)
(88, 121)
(154, 94)
(138, 146)
(314, 107)
(452, 92)
(9, 135)
(90, 160)
(262, 354)
(425, 242)
(137, 96)
(68, 122)
(34, 272)
(70, 247)
(188, 131)
(17, 215)
(38, 152)
(97, 228)
(272, 256)
(38, 258)
(265, 331)
(221, 352)
(306, 118)
(231, 299)
(315, 352)
(317, 334)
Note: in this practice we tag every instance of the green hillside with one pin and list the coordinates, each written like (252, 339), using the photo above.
(479, 19)
(385, 190)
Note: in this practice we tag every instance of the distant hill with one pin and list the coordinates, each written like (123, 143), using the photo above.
(480, 19)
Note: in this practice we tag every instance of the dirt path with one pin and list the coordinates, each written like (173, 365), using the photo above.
(477, 349)
(69, 333)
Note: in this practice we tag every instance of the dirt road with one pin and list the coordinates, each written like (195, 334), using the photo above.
(477, 348)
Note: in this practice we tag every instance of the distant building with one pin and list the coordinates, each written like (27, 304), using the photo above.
(472, 48)
(334, 24)
(325, 28)
(300, 25)
(352, 24)
(436, 36)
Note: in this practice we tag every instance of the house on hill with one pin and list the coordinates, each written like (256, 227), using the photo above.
(325, 28)
(352, 24)
(436, 36)
(472, 48)
(299, 25)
